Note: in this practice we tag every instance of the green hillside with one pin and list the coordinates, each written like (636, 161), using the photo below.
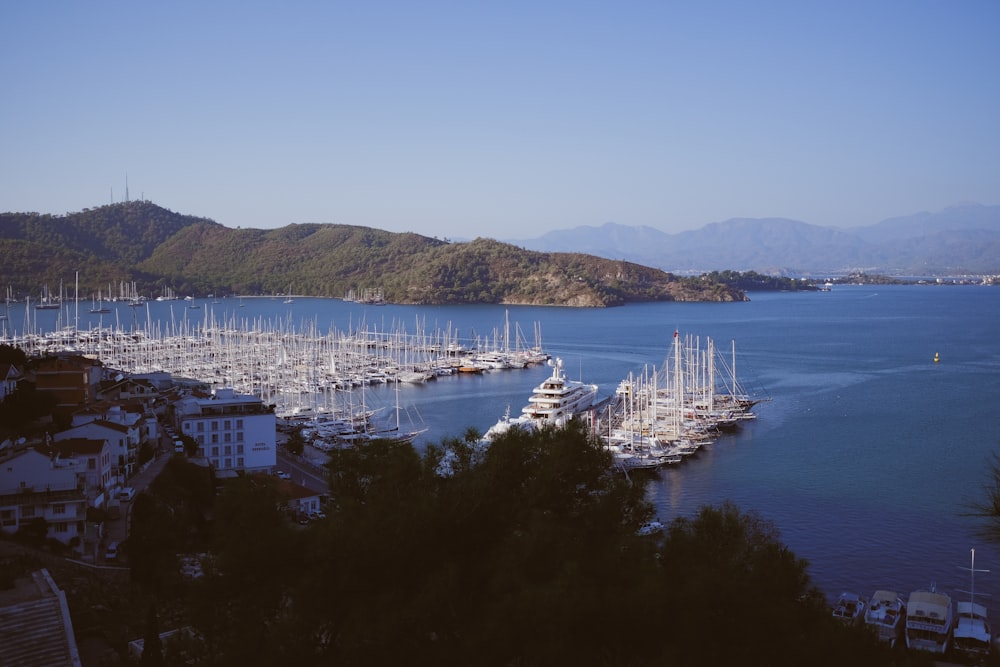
(158, 249)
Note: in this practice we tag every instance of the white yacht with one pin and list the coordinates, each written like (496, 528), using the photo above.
(885, 615)
(555, 401)
(929, 621)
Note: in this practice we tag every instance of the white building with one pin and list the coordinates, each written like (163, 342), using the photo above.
(123, 441)
(233, 432)
(97, 465)
(35, 485)
(9, 376)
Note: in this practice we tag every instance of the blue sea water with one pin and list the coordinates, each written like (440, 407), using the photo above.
(865, 458)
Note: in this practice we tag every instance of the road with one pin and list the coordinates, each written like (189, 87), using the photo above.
(304, 469)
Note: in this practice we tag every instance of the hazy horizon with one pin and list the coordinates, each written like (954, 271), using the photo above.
(456, 120)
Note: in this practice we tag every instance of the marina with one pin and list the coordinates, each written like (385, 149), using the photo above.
(301, 371)
(316, 379)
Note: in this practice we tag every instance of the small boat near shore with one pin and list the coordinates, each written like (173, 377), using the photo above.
(850, 608)
(973, 638)
(886, 615)
(929, 621)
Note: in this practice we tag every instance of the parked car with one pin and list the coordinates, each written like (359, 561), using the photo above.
(126, 494)
(111, 552)
(282, 474)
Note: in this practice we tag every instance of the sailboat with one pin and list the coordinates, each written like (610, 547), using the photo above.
(6, 304)
(98, 306)
(972, 637)
(47, 302)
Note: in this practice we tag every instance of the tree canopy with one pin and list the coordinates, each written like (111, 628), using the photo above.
(529, 552)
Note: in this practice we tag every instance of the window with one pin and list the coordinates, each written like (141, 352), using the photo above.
(59, 508)
(91, 464)
(227, 437)
(229, 463)
(239, 449)
(239, 461)
(27, 511)
(226, 425)
(215, 451)
(239, 423)
(62, 527)
(201, 427)
(215, 426)
(228, 450)
(215, 438)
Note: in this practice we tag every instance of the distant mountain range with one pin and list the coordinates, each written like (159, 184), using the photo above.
(961, 239)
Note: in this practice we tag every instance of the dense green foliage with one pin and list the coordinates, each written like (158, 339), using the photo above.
(986, 507)
(23, 406)
(159, 250)
(527, 553)
(169, 518)
(104, 244)
(15, 356)
(750, 281)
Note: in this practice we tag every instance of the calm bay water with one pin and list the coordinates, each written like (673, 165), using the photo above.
(863, 459)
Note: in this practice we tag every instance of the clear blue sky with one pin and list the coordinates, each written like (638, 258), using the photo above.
(466, 118)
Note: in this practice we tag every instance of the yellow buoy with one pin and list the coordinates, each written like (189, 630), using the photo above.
(936, 358)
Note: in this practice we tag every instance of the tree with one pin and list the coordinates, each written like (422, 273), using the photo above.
(146, 452)
(296, 442)
(26, 404)
(152, 543)
(526, 552)
(238, 603)
(737, 575)
(152, 647)
(987, 508)
(15, 356)
(35, 531)
(190, 444)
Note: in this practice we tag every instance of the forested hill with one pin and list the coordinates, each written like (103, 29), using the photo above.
(158, 249)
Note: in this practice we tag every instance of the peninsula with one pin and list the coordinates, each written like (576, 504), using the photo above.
(159, 252)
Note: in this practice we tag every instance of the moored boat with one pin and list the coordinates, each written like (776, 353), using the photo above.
(555, 401)
(929, 621)
(973, 638)
(886, 616)
(558, 398)
(850, 608)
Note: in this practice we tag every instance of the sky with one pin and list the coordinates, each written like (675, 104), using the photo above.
(502, 119)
